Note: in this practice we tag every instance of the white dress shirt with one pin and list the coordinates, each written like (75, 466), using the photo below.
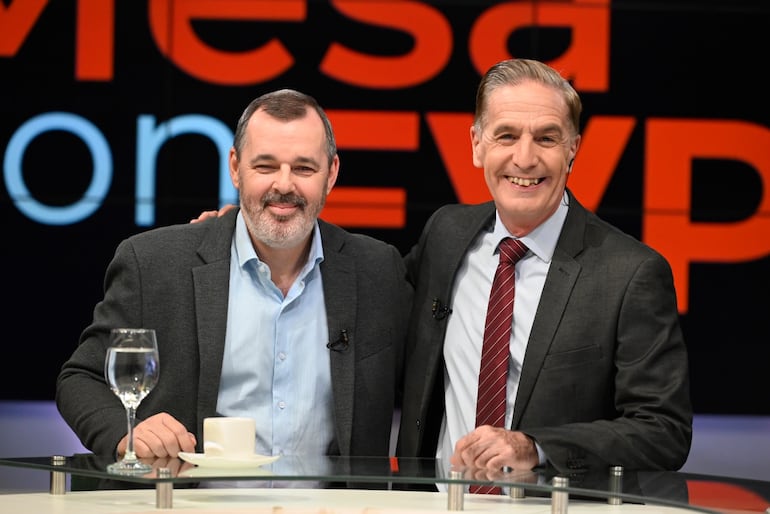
(465, 328)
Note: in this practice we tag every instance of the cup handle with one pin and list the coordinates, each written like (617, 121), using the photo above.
(213, 449)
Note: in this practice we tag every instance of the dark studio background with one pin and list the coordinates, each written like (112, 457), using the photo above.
(671, 59)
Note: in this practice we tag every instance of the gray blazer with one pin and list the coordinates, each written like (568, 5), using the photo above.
(605, 375)
(175, 279)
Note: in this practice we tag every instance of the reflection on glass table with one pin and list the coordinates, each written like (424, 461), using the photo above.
(699, 492)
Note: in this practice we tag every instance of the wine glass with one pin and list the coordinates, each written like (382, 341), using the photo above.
(131, 368)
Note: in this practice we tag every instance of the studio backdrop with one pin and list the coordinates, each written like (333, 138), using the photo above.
(117, 116)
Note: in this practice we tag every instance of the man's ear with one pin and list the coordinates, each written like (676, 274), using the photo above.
(573, 151)
(334, 168)
(233, 165)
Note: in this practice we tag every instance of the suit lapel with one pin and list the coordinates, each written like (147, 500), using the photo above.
(339, 284)
(211, 281)
(440, 258)
(557, 289)
(466, 229)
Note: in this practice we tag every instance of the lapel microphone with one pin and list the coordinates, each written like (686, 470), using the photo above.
(439, 311)
(341, 344)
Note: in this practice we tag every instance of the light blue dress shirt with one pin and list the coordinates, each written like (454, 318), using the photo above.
(276, 364)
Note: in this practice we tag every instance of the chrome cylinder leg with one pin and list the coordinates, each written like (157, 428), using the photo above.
(164, 491)
(616, 485)
(559, 499)
(456, 490)
(58, 478)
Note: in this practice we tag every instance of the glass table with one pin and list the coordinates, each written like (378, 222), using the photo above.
(704, 493)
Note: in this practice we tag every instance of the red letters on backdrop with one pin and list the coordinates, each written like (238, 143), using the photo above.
(430, 30)
(671, 144)
(666, 223)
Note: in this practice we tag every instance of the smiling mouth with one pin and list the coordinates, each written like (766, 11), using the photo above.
(525, 182)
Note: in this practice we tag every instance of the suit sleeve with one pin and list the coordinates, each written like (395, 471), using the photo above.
(652, 426)
(83, 397)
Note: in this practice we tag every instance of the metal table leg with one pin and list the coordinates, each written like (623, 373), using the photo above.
(58, 478)
(559, 499)
(456, 491)
(164, 491)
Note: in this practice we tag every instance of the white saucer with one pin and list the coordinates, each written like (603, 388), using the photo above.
(247, 461)
(212, 472)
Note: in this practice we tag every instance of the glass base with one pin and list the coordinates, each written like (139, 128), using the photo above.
(129, 467)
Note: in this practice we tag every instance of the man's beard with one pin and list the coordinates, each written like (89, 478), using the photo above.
(281, 231)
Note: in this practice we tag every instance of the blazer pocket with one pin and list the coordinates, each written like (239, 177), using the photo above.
(576, 357)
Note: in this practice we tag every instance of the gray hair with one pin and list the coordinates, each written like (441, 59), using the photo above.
(512, 72)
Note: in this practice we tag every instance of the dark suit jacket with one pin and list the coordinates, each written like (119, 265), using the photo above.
(605, 374)
(175, 280)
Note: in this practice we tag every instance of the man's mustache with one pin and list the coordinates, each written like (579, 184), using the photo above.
(285, 199)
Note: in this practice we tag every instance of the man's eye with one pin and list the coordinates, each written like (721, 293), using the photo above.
(303, 170)
(548, 141)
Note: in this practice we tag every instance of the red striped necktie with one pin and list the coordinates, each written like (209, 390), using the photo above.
(493, 375)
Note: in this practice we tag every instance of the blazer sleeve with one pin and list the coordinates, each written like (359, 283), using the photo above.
(650, 423)
(83, 397)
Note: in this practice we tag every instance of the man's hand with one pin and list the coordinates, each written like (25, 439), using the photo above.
(160, 435)
(495, 448)
(175, 465)
(212, 214)
(500, 475)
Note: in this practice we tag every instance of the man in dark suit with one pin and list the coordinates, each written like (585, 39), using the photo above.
(266, 311)
(598, 371)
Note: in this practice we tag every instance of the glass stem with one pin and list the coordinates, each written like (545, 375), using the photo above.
(131, 418)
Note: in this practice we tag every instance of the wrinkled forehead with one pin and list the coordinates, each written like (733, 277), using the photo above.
(526, 104)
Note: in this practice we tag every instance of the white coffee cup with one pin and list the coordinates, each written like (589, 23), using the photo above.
(229, 437)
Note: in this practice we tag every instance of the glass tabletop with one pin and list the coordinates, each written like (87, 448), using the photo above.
(698, 492)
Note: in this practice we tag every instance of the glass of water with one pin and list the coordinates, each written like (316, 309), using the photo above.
(131, 369)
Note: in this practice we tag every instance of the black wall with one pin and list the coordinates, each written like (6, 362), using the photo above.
(659, 80)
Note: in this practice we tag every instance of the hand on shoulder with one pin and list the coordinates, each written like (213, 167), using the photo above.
(213, 213)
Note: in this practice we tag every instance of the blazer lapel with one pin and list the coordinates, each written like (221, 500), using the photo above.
(561, 278)
(467, 228)
(211, 281)
(339, 284)
(439, 260)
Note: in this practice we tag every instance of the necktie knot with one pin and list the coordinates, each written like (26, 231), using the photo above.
(511, 250)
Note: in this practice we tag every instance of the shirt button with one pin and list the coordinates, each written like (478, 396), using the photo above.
(281, 405)
(282, 356)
